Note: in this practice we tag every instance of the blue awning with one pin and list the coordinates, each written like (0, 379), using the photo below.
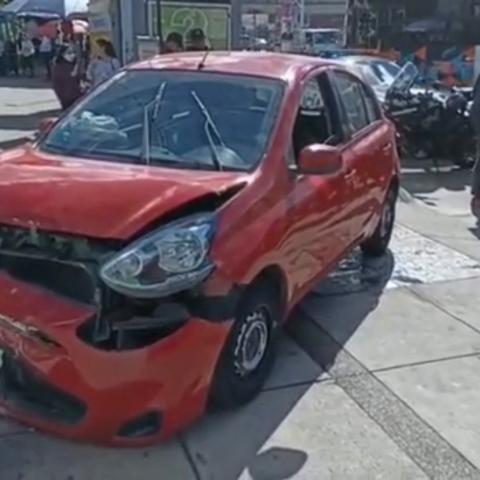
(46, 8)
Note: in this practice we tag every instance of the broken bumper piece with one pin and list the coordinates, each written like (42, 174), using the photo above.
(53, 380)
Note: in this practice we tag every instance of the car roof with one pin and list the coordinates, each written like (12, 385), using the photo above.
(271, 65)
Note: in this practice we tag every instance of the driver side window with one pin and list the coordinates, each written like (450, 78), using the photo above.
(316, 121)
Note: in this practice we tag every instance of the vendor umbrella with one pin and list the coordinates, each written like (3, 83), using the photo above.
(46, 8)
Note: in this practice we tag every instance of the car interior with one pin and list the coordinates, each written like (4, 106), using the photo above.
(317, 119)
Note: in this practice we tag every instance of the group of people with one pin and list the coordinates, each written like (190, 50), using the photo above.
(73, 75)
(17, 57)
(196, 41)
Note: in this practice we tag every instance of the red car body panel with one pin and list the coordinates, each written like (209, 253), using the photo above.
(96, 199)
(301, 225)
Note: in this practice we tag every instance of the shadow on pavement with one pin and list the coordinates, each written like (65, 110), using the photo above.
(277, 463)
(326, 322)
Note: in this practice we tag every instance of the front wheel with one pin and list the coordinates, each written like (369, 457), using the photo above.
(249, 352)
(377, 244)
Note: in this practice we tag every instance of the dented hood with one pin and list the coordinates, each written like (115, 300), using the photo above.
(96, 199)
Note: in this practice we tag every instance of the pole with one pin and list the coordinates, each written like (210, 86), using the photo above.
(159, 25)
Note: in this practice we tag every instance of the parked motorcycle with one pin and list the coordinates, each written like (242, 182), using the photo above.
(431, 122)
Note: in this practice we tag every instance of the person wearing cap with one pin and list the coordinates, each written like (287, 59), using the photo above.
(197, 42)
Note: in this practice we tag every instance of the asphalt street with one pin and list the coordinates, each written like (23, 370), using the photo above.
(378, 374)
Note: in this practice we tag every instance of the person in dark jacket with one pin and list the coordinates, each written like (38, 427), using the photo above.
(11, 57)
(65, 79)
(173, 43)
(197, 41)
(475, 118)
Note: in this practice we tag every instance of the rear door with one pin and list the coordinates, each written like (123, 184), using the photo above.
(367, 150)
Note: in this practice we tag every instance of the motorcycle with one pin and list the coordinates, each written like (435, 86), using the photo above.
(431, 122)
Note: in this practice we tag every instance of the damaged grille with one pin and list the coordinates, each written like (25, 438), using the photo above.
(21, 388)
(68, 266)
(64, 265)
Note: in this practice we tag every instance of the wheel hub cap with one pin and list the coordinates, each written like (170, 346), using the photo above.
(252, 343)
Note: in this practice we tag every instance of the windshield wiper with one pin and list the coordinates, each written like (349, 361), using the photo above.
(210, 126)
(156, 104)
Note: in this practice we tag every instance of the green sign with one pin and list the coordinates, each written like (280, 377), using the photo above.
(213, 19)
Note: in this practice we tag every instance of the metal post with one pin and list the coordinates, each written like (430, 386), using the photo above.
(159, 25)
(302, 14)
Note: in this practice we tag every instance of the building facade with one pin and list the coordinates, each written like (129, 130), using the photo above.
(318, 13)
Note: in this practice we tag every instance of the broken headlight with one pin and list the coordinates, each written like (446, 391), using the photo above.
(169, 260)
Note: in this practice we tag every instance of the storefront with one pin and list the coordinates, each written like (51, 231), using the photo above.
(220, 20)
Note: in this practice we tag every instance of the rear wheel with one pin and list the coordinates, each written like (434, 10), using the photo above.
(377, 244)
(249, 352)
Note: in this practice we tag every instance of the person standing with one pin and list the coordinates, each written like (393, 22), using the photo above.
(475, 118)
(197, 41)
(104, 66)
(27, 54)
(174, 43)
(46, 50)
(65, 77)
(11, 56)
(3, 62)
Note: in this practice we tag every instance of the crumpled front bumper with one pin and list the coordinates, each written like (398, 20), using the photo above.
(108, 391)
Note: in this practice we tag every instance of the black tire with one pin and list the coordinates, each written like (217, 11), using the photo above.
(377, 244)
(233, 385)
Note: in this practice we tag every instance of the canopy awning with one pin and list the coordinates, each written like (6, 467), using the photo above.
(46, 8)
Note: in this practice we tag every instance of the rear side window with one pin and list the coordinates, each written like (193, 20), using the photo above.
(352, 94)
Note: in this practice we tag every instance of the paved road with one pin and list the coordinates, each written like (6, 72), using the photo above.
(379, 383)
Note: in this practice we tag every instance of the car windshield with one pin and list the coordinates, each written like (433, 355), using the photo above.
(386, 72)
(179, 119)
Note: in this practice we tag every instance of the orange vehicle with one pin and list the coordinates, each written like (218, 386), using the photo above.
(156, 237)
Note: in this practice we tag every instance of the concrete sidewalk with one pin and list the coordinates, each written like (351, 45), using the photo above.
(379, 383)
(23, 103)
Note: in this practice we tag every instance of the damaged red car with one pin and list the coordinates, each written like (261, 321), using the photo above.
(155, 238)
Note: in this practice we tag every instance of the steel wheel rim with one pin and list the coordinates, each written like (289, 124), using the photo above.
(252, 343)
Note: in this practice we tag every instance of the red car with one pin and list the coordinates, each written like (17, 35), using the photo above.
(156, 237)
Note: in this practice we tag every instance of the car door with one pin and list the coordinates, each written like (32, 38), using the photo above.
(318, 229)
(364, 151)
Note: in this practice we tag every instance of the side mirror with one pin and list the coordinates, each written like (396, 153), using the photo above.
(46, 124)
(320, 160)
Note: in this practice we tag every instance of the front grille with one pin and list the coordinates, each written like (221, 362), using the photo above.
(22, 389)
(66, 265)
(72, 280)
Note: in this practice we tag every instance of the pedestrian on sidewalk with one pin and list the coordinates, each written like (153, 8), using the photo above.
(11, 58)
(46, 50)
(66, 78)
(104, 66)
(27, 54)
(3, 62)
(475, 118)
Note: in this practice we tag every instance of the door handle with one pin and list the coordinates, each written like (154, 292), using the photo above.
(386, 149)
(350, 174)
